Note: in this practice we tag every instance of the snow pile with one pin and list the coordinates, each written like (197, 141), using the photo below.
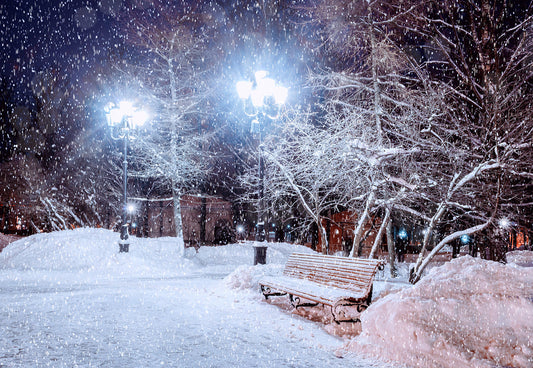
(522, 258)
(247, 277)
(466, 313)
(95, 251)
(92, 250)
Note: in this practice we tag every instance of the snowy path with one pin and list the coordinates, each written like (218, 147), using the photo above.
(176, 322)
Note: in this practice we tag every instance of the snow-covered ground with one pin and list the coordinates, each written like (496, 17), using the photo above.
(70, 299)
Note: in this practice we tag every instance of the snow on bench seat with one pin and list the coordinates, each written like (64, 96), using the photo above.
(327, 294)
(328, 280)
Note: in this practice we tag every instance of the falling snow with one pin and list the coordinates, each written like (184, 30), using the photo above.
(414, 118)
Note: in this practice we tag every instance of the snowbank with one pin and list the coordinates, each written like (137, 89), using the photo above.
(88, 250)
(466, 313)
(247, 277)
(95, 251)
(522, 258)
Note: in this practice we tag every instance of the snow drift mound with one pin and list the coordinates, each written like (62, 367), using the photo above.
(522, 258)
(466, 313)
(88, 249)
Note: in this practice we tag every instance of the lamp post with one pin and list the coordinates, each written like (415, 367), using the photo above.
(261, 97)
(122, 119)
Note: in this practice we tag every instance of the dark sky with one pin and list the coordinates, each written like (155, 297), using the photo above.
(72, 35)
(47, 34)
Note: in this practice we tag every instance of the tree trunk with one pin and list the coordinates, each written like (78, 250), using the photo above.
(325, 242)
(427, 235)
(416, 274)
(434, 220)
(379, 235)
(177, 220)
(391, 250)
(358, 232)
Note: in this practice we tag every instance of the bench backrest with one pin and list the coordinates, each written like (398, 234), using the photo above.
(348, 273)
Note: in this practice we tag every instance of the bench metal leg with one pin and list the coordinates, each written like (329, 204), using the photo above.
(297, 303)
(267, 291)
(360, 305)
(336, 314)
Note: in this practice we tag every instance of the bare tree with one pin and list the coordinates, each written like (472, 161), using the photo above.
(302, 163)
(372, 90)
(485, 53)
(172, 77)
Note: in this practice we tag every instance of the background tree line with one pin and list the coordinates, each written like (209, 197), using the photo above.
(398, 109)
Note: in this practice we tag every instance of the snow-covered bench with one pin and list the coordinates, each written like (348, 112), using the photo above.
(312, 279)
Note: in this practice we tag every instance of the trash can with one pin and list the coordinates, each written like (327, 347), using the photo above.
(260, 255)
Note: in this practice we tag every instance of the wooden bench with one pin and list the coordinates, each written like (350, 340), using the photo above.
(312, 279)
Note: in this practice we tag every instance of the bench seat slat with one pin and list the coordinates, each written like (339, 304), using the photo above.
(327, 279)
(333, 267)
(318, 270)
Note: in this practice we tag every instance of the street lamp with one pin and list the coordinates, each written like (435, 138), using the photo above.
(262, 98)
(122, 119)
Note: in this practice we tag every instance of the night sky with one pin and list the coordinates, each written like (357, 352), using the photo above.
(74, 36)
(43, 35)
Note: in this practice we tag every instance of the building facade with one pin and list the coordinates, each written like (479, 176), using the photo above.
(206, 220)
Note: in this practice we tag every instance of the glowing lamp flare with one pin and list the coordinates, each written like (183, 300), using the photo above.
(125, 110)
(504, 223)
(263, 89)
(130, 208)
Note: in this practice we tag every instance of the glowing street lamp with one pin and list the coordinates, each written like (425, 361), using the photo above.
(504, 223)
(123, 119)
(130, 208)
(261, 97)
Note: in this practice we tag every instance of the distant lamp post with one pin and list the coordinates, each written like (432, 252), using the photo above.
(262, 98)
(240, 232)
(122, 120)
(131, 209)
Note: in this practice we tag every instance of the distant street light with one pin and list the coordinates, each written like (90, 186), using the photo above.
(504, 223)
(122, 119)
(262, 98)
(130, 208)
